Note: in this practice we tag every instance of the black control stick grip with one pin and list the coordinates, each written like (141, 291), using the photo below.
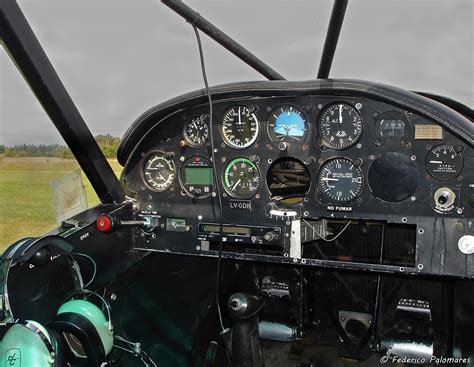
(243, 310)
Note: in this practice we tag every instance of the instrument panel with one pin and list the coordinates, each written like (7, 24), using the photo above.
(311, 159)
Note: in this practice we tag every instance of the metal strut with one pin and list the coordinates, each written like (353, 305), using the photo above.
(223, 39)
(332, 36)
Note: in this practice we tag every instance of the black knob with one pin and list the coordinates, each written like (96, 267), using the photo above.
(443, 199)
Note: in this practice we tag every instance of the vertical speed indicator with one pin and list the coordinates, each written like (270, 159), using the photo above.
(340, 180)
(340, 126)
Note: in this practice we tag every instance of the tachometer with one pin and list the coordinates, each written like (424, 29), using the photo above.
(340, 126)
(340, 180)
(196, 131)
(287, 123)
(241, 178)
(159, 171)
(239, 127)
(444, 162)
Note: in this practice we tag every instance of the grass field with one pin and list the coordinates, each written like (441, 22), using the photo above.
(26, 196)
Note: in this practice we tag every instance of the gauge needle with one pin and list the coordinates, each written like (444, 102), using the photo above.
(436, 162)
(236, 184)
(340, 113)
(240, 118)
(329, 179)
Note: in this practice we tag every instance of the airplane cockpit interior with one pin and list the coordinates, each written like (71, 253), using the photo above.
(327, 222)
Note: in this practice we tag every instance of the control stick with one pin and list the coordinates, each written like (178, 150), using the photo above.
(243, 310)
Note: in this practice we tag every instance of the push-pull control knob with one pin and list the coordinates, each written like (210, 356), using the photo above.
(106, 223)
(444, 197)
(270, 236)
(466, 244)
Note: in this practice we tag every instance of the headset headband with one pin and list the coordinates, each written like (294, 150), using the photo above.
(22, 251)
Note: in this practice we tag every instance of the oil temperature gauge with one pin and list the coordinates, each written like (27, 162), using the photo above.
(241, 178)
(159, 171)
(444, 162)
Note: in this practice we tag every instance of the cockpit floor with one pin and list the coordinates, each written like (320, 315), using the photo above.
(300, 354)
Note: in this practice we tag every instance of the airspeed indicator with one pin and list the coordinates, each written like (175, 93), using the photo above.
(239, 127)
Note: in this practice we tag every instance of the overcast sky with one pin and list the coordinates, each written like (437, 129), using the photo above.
(118, 58)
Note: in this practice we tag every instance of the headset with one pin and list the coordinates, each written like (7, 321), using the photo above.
(79, 329)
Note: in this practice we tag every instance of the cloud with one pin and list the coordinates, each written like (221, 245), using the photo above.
(118, 58)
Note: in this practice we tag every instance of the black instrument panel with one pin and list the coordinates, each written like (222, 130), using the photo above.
(279, 160)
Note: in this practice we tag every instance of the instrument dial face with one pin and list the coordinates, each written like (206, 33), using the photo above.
(239, 127)
(340, 180)
(159, 171)
(196, 131)
(444, 162)
(392, 128)
(287, 123)
(241, 178)
(340, 126)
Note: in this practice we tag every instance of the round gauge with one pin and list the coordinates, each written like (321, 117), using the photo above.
(158, 171)
(393, 177)
(340, 126)
(392, 128)
(196, 177)
(444, 162)
(196, 131)
(239, 127)
(287, 123)
(340, 180)
(241, 178)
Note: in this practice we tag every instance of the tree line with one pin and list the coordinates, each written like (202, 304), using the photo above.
(107, 143)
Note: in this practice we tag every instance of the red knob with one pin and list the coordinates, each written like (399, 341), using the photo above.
(104, 223)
